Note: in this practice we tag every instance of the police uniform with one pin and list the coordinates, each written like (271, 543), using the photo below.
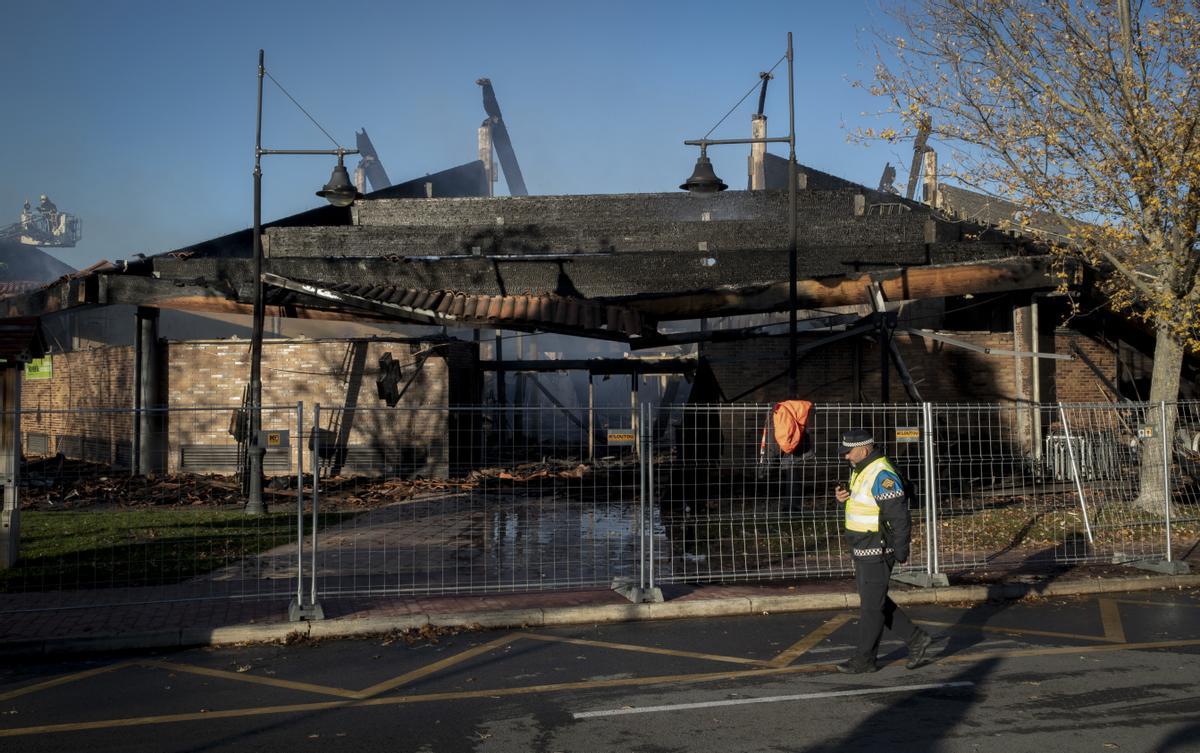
(877, 532)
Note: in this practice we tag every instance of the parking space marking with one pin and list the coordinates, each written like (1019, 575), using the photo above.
(1014, 631)
(1053, 650)
(436, 666)
(648, 649)
(1148, 603)
(800, 647)
(62, 680)
(246, 677)
(770, 699)
(549, 688)
(1114, 639)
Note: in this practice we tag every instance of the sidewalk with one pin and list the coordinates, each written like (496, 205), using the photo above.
(227, 621)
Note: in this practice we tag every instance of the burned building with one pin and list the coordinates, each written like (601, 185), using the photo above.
(901, 301)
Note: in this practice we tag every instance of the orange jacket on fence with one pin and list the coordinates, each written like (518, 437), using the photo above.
(791, 419)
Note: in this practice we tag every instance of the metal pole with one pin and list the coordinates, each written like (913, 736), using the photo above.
(1062, 414)
(930, 493)
(793, 387)
(316, 458)
(300, 503)
(641, 526)
(633, 413)
(254, 502)
(649, 518)
(1162, 423)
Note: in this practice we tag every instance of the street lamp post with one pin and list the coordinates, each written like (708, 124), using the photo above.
(704, 180)
(339, 192)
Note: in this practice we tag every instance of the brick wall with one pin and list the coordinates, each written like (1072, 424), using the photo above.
(361, 433)
(73, 412)
(827, 375)
(1076, 381)
(943, 373)
(83, 411)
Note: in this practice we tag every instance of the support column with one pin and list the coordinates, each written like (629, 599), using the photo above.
(10, 463)
(148, 450)
(1022, 388)
(758, 173)
(487, 156)
(930, 187)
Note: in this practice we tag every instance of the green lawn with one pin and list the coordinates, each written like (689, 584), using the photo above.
(144, 547)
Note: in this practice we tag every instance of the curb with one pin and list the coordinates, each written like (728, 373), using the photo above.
(576, 615)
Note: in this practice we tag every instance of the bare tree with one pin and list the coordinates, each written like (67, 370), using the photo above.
(1086, 110)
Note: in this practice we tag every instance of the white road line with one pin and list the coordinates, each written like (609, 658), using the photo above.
(769, 699)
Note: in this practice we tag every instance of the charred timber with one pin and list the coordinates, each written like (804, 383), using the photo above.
(913, 283)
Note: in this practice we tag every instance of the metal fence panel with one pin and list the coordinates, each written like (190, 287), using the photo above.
(1047, 484)
(120, 506)
(728, 505)
(478, 499)
(110, 507)
(1184, 444)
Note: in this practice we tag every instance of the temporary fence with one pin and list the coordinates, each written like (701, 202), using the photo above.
(121, 505)
(142, 505)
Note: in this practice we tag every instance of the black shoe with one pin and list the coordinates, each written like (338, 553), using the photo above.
(917, 649)
(856, 666)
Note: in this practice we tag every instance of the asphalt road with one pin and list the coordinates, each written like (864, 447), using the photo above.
(1112, 673)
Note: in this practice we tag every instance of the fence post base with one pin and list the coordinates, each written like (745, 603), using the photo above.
(922, 580)
(298, 611)
(639, 595)
(1172, 567)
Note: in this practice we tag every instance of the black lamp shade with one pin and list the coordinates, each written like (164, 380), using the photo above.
(703, 179)
(339, 191)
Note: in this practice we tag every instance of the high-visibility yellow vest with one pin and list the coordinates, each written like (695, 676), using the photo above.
(862, 513)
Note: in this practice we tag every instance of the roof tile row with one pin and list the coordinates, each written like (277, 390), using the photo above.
(546, 309)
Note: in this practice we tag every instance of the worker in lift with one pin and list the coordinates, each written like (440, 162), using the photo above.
(47, 207)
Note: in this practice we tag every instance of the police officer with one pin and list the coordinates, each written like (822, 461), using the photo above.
(877, 531)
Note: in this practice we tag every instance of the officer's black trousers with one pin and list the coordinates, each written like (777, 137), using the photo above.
(877, 610)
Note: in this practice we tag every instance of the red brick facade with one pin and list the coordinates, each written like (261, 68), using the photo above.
(204, 384)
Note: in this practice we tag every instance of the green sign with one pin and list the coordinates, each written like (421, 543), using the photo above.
(40, 368)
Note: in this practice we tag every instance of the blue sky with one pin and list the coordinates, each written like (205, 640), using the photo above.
(139, 116)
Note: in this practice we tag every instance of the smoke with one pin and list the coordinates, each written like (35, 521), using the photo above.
(29, 264)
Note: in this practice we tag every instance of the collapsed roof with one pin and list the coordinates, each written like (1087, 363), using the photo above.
(609, 266)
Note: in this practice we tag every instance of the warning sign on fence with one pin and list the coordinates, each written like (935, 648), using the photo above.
(908, 434)
(620, 436)
(275, 437)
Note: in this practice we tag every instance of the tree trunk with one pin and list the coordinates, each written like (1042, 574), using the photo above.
(1164, 387)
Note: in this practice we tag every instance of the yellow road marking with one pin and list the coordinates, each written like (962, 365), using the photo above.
(800, 647)
(532, 689)
(1052, 650)
(1110, 616)
(1156, 603)
(62, 680)
(256, 679)
(437, 666)
(647, 649)
(1014, 631)
(404, 700)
